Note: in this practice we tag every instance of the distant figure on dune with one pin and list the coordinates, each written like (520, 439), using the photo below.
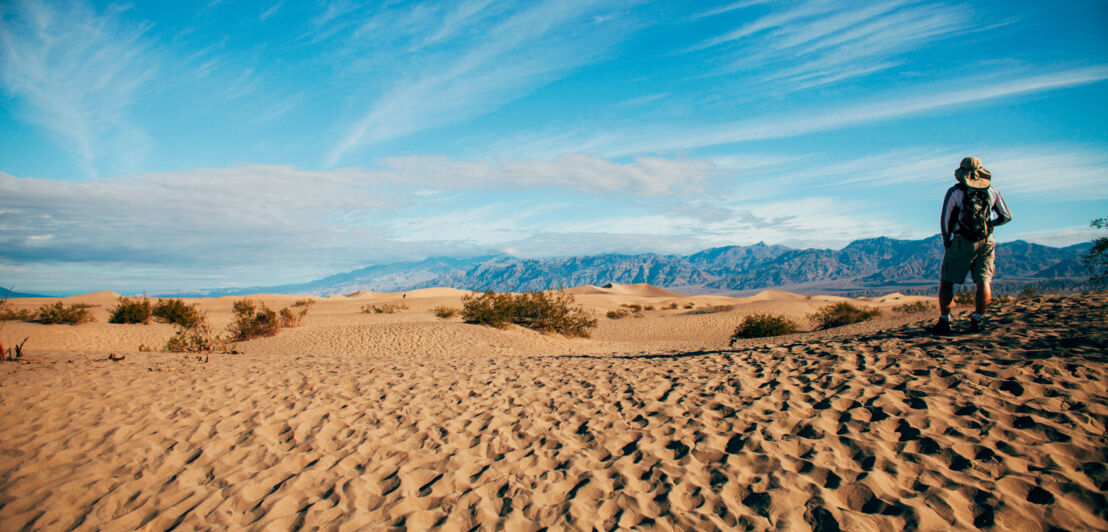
(967, 226)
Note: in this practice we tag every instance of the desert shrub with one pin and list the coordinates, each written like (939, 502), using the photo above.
(196, 339)
(763, 325)
(542, 311)
(648, 307)
(712, 309)
(618, 314)
(672, 306)
(294, 317)
(445, 312)
(964, 296)
(842, 313)
(384, 308)
(131, 311)
(911, 308)
(488, 308)
(178, 312)
(11, 314)
(1002, 300)
(60, 313)
(1096, 259)
(626, 310)
(1028, 292)
(252, 321)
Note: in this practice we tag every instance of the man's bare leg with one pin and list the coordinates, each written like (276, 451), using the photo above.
(946, 296)
(984, 295)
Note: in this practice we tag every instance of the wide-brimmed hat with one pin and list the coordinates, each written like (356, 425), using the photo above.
(973, 174)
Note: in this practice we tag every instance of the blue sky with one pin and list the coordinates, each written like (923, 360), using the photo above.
(174, 145)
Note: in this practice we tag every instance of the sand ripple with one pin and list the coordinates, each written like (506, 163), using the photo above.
(884, 430)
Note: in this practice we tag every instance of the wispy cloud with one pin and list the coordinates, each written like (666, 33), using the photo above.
(512, 56)
(646, 176)
(75, 73)
(817, 43)
(877, 109)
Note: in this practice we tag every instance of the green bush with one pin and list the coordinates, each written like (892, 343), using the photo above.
(840, 314)
(763, 325)
(252, 321)
(384, 308)
(60, 313)
(178, 312)
(197, 339)
(912, 308)
(294, 318)
(712, 309)
(541, 311)
(131, 311)
(965, 296)
(1028, 292)
(11, 314)
(445, 312)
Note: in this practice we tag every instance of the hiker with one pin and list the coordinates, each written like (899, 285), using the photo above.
(967, 226)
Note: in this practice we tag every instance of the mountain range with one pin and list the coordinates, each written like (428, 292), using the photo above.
(864, 267)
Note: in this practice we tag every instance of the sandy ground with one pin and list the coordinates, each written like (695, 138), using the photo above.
(369, 421)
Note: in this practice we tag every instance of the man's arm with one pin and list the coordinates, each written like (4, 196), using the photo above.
(1003, 215)
(946, 218)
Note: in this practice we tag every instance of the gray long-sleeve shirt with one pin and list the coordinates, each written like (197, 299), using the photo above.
(952, 205)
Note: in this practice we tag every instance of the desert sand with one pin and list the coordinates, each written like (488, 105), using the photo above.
(359, 421)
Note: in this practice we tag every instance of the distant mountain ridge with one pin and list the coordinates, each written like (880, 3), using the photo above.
(868, 266)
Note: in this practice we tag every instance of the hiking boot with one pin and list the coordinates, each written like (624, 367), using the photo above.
(941, 327)
(977, 324)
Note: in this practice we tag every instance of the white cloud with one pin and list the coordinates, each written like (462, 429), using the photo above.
(510, 56)
(646, 176)
(831, 118)
(818, 43)
(75, 73)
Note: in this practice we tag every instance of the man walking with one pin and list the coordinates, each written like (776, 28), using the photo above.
(967, 226)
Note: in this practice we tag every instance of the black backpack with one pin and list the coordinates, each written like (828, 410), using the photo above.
(973, 217)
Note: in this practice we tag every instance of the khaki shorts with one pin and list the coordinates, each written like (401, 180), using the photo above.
(964, 256)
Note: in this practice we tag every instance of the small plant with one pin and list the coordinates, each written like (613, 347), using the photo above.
(690, 305)
(763, 325)
(1002, 300)
(445, 312)
(840, 314)
(672, 306)
(131, 311)
(294, 318)
(178, 312)
(252, 321)
(915, 307)
(618, 314)
(1028, 292)
(11, 314)
(541, 311)
(964, 296)
(713, 309)
(1096, 260)
(648, 307)
(60, 313)
(143, 348)
(198, 339)
(384, 308)
(15, 354)
(626, 310)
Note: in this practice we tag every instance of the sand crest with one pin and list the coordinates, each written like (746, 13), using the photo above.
(364, 421)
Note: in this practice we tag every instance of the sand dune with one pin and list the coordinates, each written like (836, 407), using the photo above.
(371, 421)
